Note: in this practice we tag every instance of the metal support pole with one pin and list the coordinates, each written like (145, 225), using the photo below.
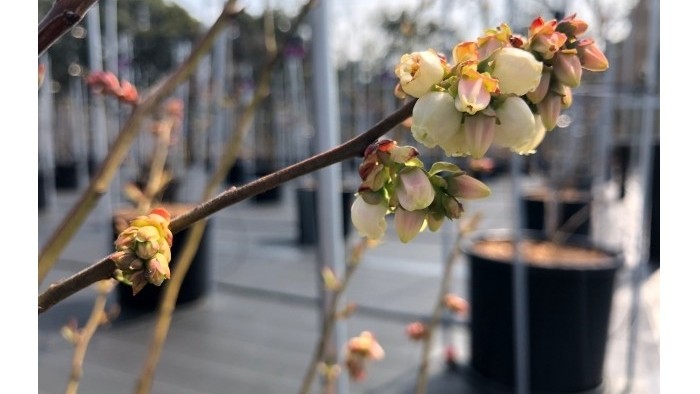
(98, 122)
(216, 135)
(47, 160)
(331, 251)
(521, 333)
(642, 245)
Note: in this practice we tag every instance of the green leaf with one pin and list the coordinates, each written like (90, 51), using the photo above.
(441, 166)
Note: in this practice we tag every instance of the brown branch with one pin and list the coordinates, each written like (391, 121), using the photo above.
(119, 149)
(354, 147)
(63, 15)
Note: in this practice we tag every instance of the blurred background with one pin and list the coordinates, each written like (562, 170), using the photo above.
(605, 152)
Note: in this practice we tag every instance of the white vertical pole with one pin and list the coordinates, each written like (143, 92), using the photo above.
(642, 239)
(47, 161)
(199, 137)
(331, 246)
(111, 52)
(218, 82)
(98, 122)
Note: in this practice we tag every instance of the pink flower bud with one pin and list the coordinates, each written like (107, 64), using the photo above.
(126, 238)
(414, 190)
(592, 58)
(567, 69)
(467, 187)
(157, 270)
(123, 259)
(146, 250)
(402, 154)
(453, 209)
(538, 94)
(455, 303)
(572, 26)
(548, 44)
(415, 331)
(549, 109)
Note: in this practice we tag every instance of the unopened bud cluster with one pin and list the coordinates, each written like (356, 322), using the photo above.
(502, 89)
(359, 350)
(143, 250)
(394, 181)
(106, 83)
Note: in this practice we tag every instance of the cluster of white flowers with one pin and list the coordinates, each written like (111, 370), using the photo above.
(502, 89)
(394, 181)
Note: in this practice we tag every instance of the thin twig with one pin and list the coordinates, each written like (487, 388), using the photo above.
(119, 149)
(63, 15)
(157, 171)
(331, 314)
(104, 268)
(82, 338)
(455, 253)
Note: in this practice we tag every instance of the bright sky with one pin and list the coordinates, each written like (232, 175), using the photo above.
(353, 26)
(355, 31)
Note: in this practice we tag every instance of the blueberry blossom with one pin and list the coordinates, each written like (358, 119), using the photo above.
(435, 119)
(418, 72)
(516, 70)
(414, 189)
(369, 219)
(516, 128)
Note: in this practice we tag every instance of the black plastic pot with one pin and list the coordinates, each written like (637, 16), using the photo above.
(66, 175)
(568, 313)
(168, 194)
(307, 220)
(570, 203)
(654, 230)
(196, 284)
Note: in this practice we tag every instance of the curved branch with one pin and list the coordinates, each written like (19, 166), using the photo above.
(63, 15)
(354, 147)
